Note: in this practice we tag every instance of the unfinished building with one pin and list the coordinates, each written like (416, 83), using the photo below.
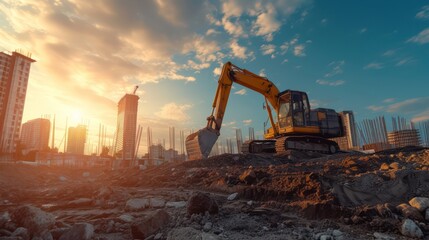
(402, 138)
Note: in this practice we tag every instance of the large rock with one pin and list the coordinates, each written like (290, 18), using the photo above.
(179, 204)
(82, 231)
(157, 202)
(410, 229)
(4, 218)
(199, 203)
(421, 203)
(410, 212)
(150, 224)
(33, 219)
(22, 233)
(136, 204)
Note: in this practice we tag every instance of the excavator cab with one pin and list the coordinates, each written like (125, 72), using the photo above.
(294, 109)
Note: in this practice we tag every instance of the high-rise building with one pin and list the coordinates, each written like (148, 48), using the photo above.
(126, 127)
(14, 72)
(76, 139)
(35, 134)
(349, 140)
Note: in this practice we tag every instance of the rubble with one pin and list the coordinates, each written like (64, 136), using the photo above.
(230, 196)
(410, 229)
(199, 203)
(83, 231)
(150, 224)
(33, 219)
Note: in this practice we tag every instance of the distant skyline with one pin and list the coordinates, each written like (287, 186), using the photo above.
(370, 57)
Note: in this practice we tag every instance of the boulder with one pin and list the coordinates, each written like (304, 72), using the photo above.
(179, 204)
(150, 224)
(199, 203)
(4, 218)
(82, 231)
(22, 233)
(157, 202)
(33, 219)
(410, 229)
(136, 204)
(57, 232)
(232, 196)
(421, 203)
(409, 212)
(126, 218)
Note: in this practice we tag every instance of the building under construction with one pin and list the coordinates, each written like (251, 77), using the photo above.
(350, 139)
(125, 143)
(402, 138)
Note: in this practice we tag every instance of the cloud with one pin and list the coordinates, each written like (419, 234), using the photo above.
(337, 68)
(410, 106)
(389, 53)
(375, 108)
(388, 100)
(268, 49)
(241, 92)
(266, 23)
(422, 37)
(324, 21)
(247, 122)
(266, 18)
(239, 51)
(284, 47)
(229, 124)
(174, 111)
(211, 31)
(217, 71)
(374, 65)
(299, 50)
(330, 83)
(262, 73)
(404, 61)
(424, 13)
(193, 65)
(363, 30)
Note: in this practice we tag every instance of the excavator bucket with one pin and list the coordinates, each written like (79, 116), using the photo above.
(199, 144)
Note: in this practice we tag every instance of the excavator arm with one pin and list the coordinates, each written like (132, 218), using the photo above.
(199, 144)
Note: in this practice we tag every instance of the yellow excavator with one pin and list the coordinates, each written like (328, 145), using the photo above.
(296, 125)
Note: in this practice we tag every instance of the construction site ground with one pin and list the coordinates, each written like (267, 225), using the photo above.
(243, 196)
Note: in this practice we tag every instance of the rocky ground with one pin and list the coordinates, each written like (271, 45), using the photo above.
(231, 196)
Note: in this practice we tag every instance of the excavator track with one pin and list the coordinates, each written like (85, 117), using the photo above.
(258, 146)
(306, 143)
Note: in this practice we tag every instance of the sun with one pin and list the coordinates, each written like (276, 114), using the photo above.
(76, 117)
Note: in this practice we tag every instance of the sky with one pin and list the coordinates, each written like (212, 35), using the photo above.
(371, 57)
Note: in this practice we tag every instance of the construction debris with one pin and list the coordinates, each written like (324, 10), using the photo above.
(231, 196)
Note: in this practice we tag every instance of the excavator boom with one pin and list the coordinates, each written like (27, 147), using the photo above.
(199, 144)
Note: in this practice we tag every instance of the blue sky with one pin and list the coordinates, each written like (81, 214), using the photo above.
(370, 57)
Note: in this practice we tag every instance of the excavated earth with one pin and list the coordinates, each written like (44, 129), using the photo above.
(291, 196)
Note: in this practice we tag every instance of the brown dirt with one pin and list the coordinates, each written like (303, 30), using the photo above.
(297, 193)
